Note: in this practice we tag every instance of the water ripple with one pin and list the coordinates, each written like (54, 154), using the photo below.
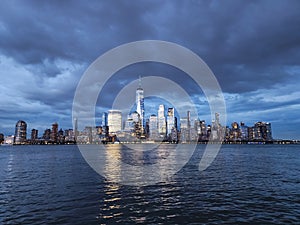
(245, 184)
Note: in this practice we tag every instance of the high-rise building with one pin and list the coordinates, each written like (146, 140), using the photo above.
(140, 103)
(161, 121)
(203, 128)
(75, 129)
(188, 125)
(104, 119)
(20, 133)
(170, 120)
(54, 133)
(133, 123)
(114, 120)
(47, 134)
(217, 119)
(69, 135)
(235, 133)
(153, 127)
(34, 135)
(261, 131)
(184, 129)
(244, 131)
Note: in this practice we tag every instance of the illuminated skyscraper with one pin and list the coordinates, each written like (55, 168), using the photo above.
(114, 120)
(153, 126)
(20, 133)
(161, 121)
(140, 103)
(170, 120)
(104, 119)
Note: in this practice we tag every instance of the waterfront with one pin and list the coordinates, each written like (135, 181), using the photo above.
(245, 184)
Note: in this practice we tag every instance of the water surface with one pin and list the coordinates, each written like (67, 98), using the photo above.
(245, 184)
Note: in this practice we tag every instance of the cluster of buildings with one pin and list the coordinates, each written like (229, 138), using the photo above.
(50, 136)
(163, 127)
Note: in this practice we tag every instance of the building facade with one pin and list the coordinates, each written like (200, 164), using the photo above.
(20, 133)
(114, 120)
(140, 108)
(162, 121)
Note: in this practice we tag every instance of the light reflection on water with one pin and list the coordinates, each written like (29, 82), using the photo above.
(54, 185)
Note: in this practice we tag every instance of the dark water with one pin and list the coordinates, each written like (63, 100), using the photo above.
(245, 184)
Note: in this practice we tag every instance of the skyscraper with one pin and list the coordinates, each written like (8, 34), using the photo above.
(140, 103)
(104, 119)
(161, 121)
(170, 120)
(54, 132)
(34, 135)
(75, 129)
(114, 120)
(20, 132)
(153, 126)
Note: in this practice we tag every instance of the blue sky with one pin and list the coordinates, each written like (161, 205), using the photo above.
(252, 47)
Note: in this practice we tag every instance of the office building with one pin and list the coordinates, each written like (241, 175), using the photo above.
(54, 133)
(34, 135)
(243, 131)
(170, 120)
(161, 121)
(104, 119)
(20, 133)
(114, 120)
(47, 134)
(140, 104)
(153, 127)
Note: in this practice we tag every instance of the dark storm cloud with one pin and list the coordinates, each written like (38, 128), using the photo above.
(39, 30)
(252, 47)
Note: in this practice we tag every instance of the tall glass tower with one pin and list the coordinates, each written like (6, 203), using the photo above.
(170, 120)
(140, 103)
(20, 132)
(161, 121)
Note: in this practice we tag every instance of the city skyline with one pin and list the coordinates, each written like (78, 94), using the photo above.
(251, 47)
(165, 120)
(163, 127)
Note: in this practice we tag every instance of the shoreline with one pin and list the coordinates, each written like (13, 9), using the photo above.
(274, 142)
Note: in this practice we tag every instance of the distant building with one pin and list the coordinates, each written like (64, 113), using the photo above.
(140, 104)
(34, 135)
(54, 133)
(153, 127)
(75, 129)
(203, 131)
(188, 125)
(261, 131)
(9, 140)
(1, 138)
(60, 136)
(184, 129)
(244, 131)
(69, 136)
(20, 133)
(104, 119)
(114, 120)
(162, 128)
(235, 134)
(47, 134)
(170, 120)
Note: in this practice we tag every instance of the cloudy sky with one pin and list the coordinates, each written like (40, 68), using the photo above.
(252, 47)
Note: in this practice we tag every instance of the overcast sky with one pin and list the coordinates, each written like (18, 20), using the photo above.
(252, 47)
